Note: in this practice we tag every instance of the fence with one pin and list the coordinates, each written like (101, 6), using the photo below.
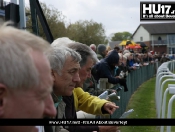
(164, 75)
(134, 80)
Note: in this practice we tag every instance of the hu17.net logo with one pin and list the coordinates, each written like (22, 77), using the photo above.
(157, 10)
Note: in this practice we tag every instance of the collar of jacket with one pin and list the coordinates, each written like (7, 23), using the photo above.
(56, 99)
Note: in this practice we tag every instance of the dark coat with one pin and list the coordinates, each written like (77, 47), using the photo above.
(105, 68)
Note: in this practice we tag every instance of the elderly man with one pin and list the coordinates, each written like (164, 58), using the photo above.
(101, 50)
(81, 99)
(85, 72)
(66, 76)
(93, 47)
(25, 79)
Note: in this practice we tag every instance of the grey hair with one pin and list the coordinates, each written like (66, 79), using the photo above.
(58, 55)
(93, 45)
(85, 52)
(120, 55)
(127, 55)
(17, 67)
(101, 48)
(126, 51)
(61, 42)
(95, 58)
(124, 57)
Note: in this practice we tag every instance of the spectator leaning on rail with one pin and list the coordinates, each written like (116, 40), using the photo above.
(164, 58)
(101, 51)
(93, 47)
(105, 69)
(84, 101)
(90, 84)
(65, 71)
(86, 64)
(151, 59)
(121, 68)
(80, 99)
(140, 59)
(25, 79)
(146, 58)
(108, 48)
(130, 62)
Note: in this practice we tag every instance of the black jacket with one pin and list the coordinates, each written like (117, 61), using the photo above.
(105, 68)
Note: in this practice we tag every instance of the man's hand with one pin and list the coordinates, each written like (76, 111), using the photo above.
(134, 68)
(110, 107)
(108, 128)
(117, 77)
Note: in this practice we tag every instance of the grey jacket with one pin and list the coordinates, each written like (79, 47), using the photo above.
(60, 115)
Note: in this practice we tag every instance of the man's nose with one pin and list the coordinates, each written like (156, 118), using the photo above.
(89, 75)
(76, 77)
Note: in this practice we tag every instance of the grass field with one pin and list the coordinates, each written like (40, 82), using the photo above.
(143, 103)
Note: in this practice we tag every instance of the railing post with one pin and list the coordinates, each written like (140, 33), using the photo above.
(102, 83)
(163, 107)
(170, 111)
(160, 95)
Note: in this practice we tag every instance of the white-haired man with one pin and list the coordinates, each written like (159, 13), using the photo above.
(93, 47)
(82, 100)
(25, 79)
(65, 71)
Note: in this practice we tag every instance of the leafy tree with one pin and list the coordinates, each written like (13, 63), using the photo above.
(87, 32)
(121, 36)
(83, 31)
(55, 20)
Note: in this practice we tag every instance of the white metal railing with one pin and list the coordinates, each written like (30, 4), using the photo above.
(160, 95)
(164, 72)
(159, 92)
(171, 90)
(170, 111)
(161, 73)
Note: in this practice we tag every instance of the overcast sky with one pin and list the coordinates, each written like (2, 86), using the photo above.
(115, 15)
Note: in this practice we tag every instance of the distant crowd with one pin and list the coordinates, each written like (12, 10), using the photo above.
(116, 68)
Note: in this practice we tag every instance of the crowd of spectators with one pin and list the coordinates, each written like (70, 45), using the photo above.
(39, 80)
(117, 67)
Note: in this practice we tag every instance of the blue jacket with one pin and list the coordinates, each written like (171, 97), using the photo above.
(105, 68)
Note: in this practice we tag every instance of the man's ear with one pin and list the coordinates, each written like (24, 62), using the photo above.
(3, 94)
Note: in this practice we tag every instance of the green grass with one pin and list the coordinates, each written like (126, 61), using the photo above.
(143, 103)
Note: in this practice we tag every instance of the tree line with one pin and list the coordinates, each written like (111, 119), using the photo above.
(83, 31)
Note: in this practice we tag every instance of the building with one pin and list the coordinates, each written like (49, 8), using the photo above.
(112, 44)
(159, 37)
